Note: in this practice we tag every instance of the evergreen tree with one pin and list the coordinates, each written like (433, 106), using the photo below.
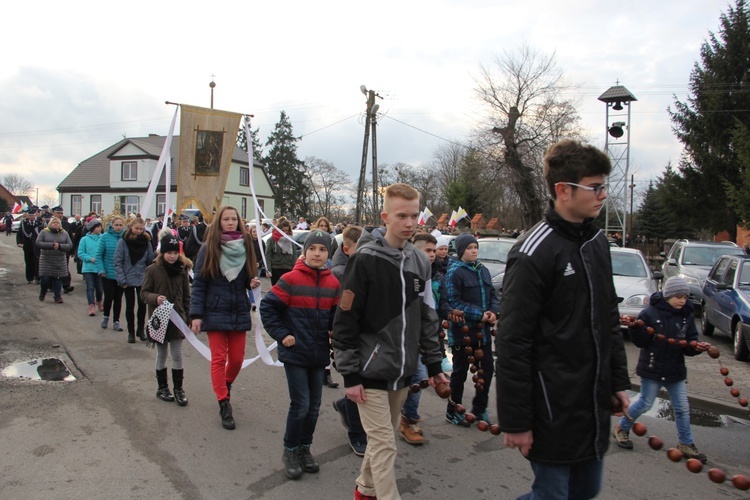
(257, 146)
(286, 171)
(718, 101)
(739, 195)
(653, 219)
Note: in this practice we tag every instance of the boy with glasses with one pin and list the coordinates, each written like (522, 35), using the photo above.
(561, 365)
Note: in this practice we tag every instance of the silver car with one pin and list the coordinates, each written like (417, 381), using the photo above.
(634, 281)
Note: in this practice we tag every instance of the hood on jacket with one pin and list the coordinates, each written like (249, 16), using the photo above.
(375, 240)
(339, 257)
(657, 300)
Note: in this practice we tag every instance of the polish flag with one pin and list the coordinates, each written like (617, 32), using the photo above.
(17, 208)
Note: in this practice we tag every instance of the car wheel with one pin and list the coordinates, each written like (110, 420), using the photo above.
(706, 327)
(741, 352)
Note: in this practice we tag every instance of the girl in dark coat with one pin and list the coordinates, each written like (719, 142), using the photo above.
(167, 279)
(225, 270)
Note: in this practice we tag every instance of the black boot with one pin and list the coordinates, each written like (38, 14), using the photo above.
(179, 394)
(292, 467)
(225, 410)
(329, 381)
(131, 338)
(141, 335)
(163, 391)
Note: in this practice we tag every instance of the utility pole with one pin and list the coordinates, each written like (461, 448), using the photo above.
(370, 121)
(632, 185)
(375, 190)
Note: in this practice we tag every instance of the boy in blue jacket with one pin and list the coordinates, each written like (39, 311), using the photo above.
(298, 313)
(467, 287)
(662, 364)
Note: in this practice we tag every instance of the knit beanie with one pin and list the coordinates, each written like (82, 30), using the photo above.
(462, 242)
(92, 224)
(169, 243)
(317, 236)
(675, 286)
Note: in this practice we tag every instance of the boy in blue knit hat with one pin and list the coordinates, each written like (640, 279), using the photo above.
(467, 288)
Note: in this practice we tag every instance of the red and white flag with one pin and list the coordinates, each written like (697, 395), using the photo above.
(17, 208)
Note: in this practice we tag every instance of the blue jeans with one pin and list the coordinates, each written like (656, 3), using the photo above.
(411, 406)
(574, 482)
(305, 392)
(53, 282)
(677, 394)
(94, 289)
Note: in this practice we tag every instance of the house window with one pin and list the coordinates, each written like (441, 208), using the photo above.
(244, 176)
(130, 171)
(161, 204)
(96, 203)
(261, 204)
(76, 204)
(129, 205)
(244, 208)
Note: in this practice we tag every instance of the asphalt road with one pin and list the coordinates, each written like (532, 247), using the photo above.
(106, 435)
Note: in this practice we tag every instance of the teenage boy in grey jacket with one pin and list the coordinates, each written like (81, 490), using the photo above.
(377, 334)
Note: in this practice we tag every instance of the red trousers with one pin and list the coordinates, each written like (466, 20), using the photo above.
(227, 355)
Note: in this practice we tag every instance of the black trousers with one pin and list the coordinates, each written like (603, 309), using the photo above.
(112, 298)
(32, 265)
(458, 377)
(133, 294)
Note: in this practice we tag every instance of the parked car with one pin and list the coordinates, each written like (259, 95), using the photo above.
(726, 302)
(17, 219)
(493, 253)
(634, 281)
(692, 260)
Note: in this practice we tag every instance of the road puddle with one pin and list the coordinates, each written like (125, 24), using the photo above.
(698, 416)
(47, 369)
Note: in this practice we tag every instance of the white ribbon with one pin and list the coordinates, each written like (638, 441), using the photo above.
(264, 352)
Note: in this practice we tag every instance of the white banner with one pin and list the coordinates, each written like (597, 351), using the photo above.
(164, 157)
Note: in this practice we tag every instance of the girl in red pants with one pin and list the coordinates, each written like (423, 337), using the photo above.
(225, 270)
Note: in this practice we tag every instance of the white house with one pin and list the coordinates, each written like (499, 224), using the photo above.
(122, 172)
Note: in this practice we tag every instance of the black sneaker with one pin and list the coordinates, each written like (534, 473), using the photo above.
(292, 467)
(69, 289)
(42, 295)
(456, 419)
(306, 460)
(358, 447)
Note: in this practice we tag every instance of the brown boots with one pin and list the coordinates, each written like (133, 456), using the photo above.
(409, 430)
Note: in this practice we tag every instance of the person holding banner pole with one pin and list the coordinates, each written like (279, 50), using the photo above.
(225, 270)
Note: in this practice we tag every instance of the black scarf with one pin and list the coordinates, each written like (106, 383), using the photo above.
(137, 247)
(173, 269)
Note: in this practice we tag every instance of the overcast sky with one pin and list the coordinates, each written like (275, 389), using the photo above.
(77, 76)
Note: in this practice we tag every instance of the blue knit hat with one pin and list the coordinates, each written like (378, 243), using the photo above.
(462, 242)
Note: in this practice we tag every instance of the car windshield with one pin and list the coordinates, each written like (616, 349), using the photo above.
(495, 250)
(707, 256)
(628, 264)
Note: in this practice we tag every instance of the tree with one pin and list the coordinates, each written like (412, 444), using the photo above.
(49, 198)
(706, 122)
(257, 146)
(286, 170)
(17, 185)
(738, 195)
(653, 219)
(328, 187)
(526, 113)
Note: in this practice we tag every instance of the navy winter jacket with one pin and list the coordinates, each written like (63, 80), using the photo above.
(658, 359)
(222, 305)
(468, 288)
